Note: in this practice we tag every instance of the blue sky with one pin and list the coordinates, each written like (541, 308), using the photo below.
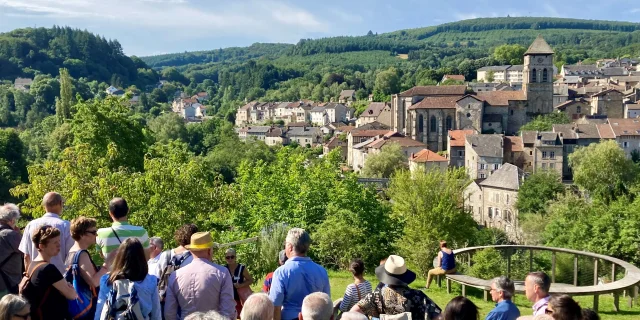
(146, 27)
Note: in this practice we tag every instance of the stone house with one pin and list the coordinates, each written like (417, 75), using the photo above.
(608, 103)
(375, 145)
(427, 160)
(23, 84)
(363, 133)
(456, 146)
(334, 143)
(575, 109)
(632, 110)
(376, 111)
(454, 77)
(543, 151)
(626, 133)
(319, 116)
(336, 112)
(304, 136)
(276, 136)
(484, 154)
(243, 115)
(514, 151)
(256, 132)
(347, 96)
(499, 198)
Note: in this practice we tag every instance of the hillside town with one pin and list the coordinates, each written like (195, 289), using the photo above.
(475, 126)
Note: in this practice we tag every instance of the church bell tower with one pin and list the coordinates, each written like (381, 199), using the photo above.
(537, 78)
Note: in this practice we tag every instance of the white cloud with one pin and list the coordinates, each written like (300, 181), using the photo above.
(273, 18)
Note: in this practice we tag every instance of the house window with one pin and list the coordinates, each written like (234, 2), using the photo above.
(483, 166)
(506, 199)
(490, 212)
(544, 154)
(534, 76)
(449, 123)
(420, 124)
(544, 165)
(498, 215)
(552, 154)
(625, 144)
(434, 124)
(496, 166)
(482, 176)
(552, 165)
(509, 217)
(578, 109)
(545, 76)
(510, 112)
(496, 197)
(460, 153)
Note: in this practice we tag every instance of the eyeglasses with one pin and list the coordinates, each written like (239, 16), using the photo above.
(25, 316)
(230, 257)
(547, 311)
(93, 232)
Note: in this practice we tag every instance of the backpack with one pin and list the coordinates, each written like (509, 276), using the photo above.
(82, 306)
(122, 302)
(26, 290)
(173, 264)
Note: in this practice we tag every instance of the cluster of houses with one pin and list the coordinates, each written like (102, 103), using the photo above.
(316, 114)
(191, 109)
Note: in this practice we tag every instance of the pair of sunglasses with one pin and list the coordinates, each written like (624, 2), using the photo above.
(95, 232)
(25, 317)
(547, 311)
(230, 257)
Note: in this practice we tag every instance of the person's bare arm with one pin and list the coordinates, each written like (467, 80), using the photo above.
(440, 259)
(248, 280)
(66, 289)
(27, 261)
(88, 272)
(356, 308)
(277, 313)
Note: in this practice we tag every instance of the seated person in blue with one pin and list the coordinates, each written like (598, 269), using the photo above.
(446, 263)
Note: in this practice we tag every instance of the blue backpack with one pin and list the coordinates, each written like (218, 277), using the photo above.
(83, 305)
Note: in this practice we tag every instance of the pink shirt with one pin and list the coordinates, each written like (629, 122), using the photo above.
(200, 286)
(540, 306)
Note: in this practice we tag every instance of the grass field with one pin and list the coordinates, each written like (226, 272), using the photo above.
(340, 280)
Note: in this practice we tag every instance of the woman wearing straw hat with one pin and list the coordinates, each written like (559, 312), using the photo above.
(396, 297)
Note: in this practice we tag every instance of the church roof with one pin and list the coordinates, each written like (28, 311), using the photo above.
(501, 98)
(539, 46)
(446, 102)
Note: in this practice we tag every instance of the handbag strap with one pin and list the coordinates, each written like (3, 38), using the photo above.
(358, 291)
(116, 234)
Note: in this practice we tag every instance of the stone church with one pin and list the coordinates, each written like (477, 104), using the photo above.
(428, 113)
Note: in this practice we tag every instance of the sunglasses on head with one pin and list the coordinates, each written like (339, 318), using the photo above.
(547, 311)
(230, 257)
(25, 316)
(93, 232)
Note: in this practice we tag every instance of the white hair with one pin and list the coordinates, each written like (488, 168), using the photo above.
(353, 316)
(257, 307)
(299, 239)
(8, 212)
(317, 306)
(157, 241)
(505, 285)
(211, 315)
(230, 250)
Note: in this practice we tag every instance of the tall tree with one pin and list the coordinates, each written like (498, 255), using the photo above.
(537, 190)
(385, 163)
(63, 103)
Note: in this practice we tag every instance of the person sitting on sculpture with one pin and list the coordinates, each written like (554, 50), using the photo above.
(445, 264)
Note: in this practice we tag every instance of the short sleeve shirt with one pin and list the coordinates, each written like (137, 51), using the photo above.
(44, 298)
(397, 300)
(66, 242)
(109, 239)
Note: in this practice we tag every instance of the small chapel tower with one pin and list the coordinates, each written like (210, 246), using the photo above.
(537, 78)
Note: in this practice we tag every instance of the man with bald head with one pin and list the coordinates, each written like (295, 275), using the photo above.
(109, 239)
(52, 203)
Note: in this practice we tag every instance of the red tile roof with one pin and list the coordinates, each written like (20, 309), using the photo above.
(501, 98)
(368, 133)
(426, 155)
(447, 102)
(434, 91)
(456, 137)
(513, 144)
(625, 127)
(605, 131)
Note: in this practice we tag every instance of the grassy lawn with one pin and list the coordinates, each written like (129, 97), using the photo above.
(340, 280)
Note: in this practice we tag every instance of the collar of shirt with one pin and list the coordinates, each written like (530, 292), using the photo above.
(51, 215)
(299, 259)
(542, 302)
(504, 302)
(120, 223)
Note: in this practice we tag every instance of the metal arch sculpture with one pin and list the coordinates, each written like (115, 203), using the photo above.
(630, 280)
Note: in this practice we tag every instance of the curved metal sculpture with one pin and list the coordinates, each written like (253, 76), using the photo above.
(629, 282)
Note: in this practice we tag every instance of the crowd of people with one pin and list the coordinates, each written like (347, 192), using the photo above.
(49, 274)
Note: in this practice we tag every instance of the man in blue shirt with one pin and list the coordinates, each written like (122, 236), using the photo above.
(297, 278)
(502, 290)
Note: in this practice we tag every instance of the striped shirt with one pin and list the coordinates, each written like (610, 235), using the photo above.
(108, 242)
(351, 296)
(66, 242)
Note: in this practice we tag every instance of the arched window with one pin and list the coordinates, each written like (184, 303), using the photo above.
(534, 76)
(490, 212)
(498, 215)
(449, 123)
(509, 217)
(545, 75)
(420, 124)
(434, 124)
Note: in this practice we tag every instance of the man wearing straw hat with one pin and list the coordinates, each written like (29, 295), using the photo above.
(200, 286)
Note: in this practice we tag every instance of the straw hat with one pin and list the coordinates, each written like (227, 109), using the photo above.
(200, 241)
(395, 272)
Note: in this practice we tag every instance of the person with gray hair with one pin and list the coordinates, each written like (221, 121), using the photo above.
(10, 255)
(316, 306)
(353, 316)
(211, 315)
(502, 290)
(296, 279)
(536, 288)
(13, 306)
(156, 245)
(257, 307)
(53, 204)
